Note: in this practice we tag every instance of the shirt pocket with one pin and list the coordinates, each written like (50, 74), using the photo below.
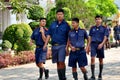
(101, 33)
(80, 36)
(72, 37)
(63, 30)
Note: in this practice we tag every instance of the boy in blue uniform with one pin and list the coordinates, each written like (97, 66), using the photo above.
(117, 33)
(98, 36)
(58, 32)
(107, 44)
(76, 39)
(39, 36)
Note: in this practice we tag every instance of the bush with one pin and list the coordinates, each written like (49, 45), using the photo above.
(19, 36)
(51, 16)
(35, 12)
(6, 45)
(34, 24)
(24, 57)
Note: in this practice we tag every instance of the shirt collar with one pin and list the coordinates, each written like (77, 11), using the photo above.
(77, 30)
(61, 22)
(98, 26)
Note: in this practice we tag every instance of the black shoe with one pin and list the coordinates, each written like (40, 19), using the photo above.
(46, 74)
(39, 78)
(99, 77)
(92, 78)
(65, 79)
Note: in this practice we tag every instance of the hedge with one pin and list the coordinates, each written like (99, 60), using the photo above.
(19, 36)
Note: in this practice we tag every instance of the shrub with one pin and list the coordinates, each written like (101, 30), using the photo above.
(35, 12)
(19, 36)
(51, 16)
(34, 24)
(6, 45)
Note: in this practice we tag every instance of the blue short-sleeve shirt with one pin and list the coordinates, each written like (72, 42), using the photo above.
(59, 32)
(116, 30)
(37, 36)
(77, 38)
(97, 33)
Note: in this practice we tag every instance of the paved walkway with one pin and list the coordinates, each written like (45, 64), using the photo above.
(30, 71)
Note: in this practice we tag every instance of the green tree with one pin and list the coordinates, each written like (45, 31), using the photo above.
(85, 10)
(19, 7)
(35, 12)
(51, 16)
(103, 7)
(2, 4)
(78, 9)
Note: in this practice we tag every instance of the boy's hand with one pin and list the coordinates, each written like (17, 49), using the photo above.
(100, 46)
(41, 30)
(73, 48)
(67, 51)
(87, 50)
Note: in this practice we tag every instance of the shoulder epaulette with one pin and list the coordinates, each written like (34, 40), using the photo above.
(92, 26)
(104, 26)
(68, 24)
(82, 28)
(71, 30)
(46, 28)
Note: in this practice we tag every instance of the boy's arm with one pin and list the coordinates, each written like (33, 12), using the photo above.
(46, 42)
(103, 42)
(88, 45)
(67, 48)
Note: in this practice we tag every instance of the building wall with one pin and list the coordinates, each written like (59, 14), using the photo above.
(4, 19)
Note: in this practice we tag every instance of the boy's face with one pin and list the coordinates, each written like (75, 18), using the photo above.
(43, 22)
(75, 24)
(60, 16)
(98, 20)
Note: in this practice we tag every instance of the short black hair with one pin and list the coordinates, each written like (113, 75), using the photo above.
(42, 18)
(75, 19)
(60, 10)
(98, 16)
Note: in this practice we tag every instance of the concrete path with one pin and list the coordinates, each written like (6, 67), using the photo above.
(30, 71)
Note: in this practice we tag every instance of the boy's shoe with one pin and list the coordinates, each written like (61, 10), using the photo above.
(92, 78)
(46, 74)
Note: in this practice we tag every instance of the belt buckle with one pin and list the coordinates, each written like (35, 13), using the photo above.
(38, 46)
(56, 44)
(77, 48)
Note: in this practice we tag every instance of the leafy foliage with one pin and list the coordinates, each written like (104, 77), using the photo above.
(18, 7)
(103, 7)
(34, 24)
(6, 44)
(81, 24)
(51, 16)
(35, 12)
(85, 10)
(19, 36)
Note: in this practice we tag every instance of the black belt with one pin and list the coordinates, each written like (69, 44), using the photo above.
(39, 46)
(96, 42)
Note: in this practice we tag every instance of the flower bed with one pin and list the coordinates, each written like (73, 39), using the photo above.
(23, 57)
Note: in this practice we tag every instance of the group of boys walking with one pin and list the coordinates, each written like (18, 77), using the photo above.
(62, 38)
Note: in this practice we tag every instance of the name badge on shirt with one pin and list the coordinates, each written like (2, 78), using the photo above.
(72, 35)
(57, 26)
(97, 29)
